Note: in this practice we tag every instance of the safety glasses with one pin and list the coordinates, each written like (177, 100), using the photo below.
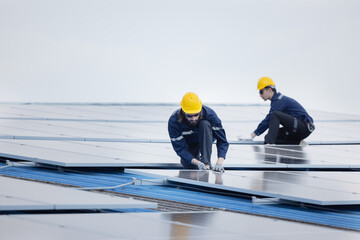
(191, 115)
(261, 91)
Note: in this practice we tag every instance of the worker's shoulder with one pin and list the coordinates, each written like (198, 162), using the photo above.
(174, 116)
(281, 97)
(208, 109)
(210, 114)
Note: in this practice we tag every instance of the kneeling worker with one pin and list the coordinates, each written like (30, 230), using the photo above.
(296, 122)
(192, 130)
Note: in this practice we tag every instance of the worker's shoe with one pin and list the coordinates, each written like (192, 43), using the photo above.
(270, 144)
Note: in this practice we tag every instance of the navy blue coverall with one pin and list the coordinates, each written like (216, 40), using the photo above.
(297, 123)
(187, 140)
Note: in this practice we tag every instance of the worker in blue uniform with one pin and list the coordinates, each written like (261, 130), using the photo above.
(296, 123)
(192, 130)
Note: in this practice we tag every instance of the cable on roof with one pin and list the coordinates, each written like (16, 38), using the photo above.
(110, 187)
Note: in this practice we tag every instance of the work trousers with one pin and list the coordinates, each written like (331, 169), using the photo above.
(292, 131)
(203, 149)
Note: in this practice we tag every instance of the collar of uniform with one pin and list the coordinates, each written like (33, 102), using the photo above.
(277, 95)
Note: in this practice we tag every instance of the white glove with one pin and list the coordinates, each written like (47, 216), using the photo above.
(201, 166)
(219, 168)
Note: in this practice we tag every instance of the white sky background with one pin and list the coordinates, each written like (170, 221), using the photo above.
(157, 50)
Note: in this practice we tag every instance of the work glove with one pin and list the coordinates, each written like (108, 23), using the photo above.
(201, 166)
(219, 168)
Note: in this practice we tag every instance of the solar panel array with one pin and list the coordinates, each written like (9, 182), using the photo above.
(135, 135)
(147, 122)
(132, 154)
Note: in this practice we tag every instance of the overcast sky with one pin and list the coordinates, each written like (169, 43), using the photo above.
(157, 50)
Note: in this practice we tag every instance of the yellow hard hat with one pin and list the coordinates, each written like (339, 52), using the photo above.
(191, 103)
(264, 82)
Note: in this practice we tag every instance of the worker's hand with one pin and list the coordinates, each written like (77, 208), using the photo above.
(201, 166)
(219, 168)
(219, 165)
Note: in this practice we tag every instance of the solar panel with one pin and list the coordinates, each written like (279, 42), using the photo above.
(150, 121)
(136, 135)
(290, 156)
(325, 131)
(21, 195)
(190, 225)
(320, 188)
(79, 154)
(123, 130)
(132, 154)
(86, 112)
(123, 154)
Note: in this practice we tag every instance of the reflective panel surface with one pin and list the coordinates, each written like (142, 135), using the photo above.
(126, 154)
(281, 156)
(20, 195)
(321, 188)
(136, 135)
(91, 154)
(193, 225)
(143, 121)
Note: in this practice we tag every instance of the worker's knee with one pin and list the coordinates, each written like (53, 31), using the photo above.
(203, 124)
(275, 114)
